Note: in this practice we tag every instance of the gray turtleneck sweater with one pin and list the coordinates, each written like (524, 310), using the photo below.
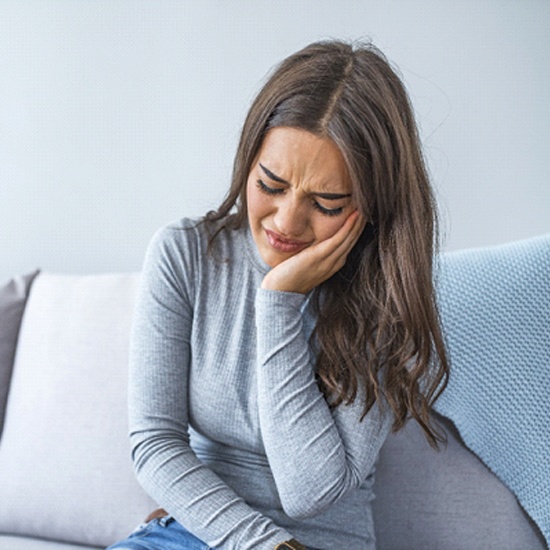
(230, 432)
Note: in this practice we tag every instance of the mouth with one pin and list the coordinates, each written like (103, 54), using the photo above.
(282, 244)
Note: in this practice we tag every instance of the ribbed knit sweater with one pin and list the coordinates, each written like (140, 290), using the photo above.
(230, 432)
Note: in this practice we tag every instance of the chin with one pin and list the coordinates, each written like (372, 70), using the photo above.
(273, 258)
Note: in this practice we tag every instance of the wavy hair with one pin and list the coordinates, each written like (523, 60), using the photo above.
(377, 329)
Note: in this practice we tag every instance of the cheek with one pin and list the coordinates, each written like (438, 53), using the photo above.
(251, 201)
(257, 204)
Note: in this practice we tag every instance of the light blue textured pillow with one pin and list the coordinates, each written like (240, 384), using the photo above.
(495, 309)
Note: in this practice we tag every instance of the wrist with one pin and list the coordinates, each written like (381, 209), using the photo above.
(291, 544)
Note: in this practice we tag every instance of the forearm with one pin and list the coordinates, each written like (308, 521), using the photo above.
(165, 463)
(170, 472)
(316, 455)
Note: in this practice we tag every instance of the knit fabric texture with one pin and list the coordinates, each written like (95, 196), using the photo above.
(495, 309)
(230, 432)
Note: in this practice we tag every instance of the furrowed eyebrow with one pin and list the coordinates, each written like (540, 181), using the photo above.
(271, 175)
(332, 196)
(326, 196)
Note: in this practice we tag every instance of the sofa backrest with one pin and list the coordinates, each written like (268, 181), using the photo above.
(65, 464)
(446, 499)
(13, 297)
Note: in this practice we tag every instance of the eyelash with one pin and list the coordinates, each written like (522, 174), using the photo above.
(269, 190)
(327, 211)
(279, 191)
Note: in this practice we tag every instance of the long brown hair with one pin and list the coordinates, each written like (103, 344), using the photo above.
(377, 329)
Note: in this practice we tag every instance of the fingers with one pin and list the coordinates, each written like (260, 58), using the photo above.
(341, 243)
(330, 255)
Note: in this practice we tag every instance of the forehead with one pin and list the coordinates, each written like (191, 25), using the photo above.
(304, 159)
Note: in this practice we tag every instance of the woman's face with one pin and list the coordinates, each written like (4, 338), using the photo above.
(298, 193)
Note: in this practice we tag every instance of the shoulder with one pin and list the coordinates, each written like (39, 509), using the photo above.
(178, 233)
(188, 242)
(184, 238)
(176, 255)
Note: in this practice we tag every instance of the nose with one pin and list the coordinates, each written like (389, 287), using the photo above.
(290, 218)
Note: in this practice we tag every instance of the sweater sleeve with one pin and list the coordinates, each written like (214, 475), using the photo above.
(316, 455)
(164, 461)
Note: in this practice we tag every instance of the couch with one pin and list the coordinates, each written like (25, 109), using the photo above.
(66, 477)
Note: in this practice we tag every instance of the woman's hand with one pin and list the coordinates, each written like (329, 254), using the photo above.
(310, 267)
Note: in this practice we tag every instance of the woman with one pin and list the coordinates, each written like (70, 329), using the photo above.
(279, 339)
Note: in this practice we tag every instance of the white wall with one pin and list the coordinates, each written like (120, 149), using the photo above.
(117, 116)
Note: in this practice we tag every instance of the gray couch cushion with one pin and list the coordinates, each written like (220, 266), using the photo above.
(13, 295)
(444, 500)
(65, 465)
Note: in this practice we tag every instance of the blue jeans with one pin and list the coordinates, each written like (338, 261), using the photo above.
(161, 534)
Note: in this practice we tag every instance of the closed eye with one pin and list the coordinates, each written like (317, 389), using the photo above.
(269, 190)
(327, 211)
(264, 188)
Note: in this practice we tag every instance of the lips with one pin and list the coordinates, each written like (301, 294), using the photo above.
(281, 244)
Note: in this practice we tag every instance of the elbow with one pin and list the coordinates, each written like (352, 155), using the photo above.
(139, 457)
(311, 500)
(303, 508)
(299, 513)
(150, 446)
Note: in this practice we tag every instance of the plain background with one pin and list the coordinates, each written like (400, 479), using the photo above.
(119, 116)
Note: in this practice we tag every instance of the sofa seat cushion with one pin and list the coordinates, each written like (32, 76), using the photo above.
(65, 466)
